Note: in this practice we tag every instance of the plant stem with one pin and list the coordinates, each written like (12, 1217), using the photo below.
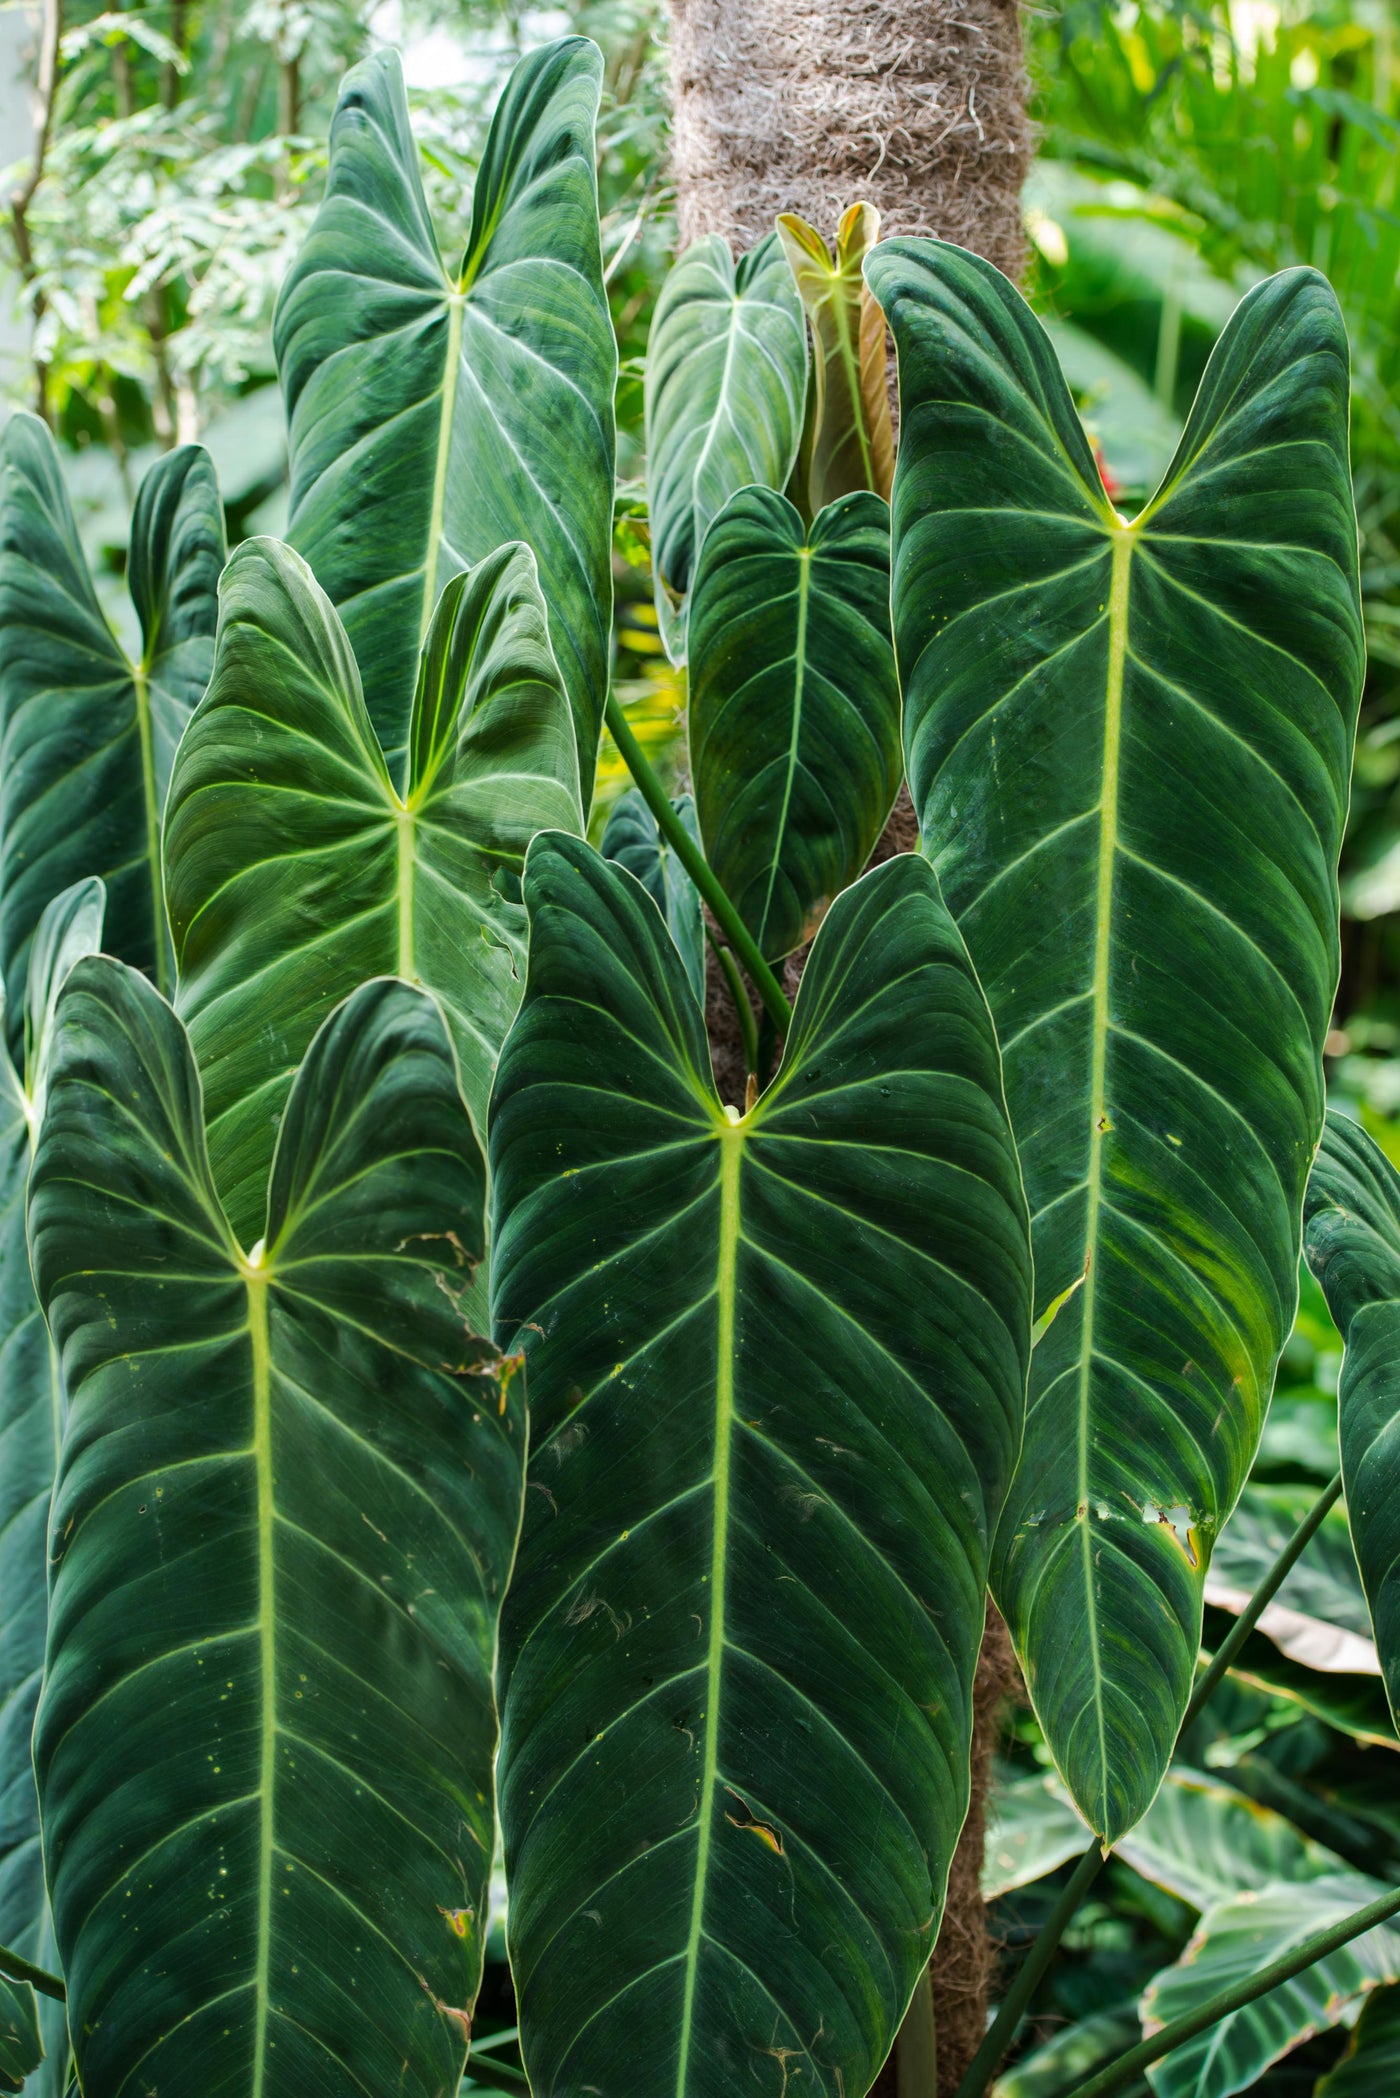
(37, 1977)
(494, 2075)
(1312, 1949)
(748, 1026)
(1009, 2012)
(696, 866)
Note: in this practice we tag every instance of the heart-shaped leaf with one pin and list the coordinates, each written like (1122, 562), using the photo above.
(1352, 1242)
(31, 1426)
(776, 1382)
(21, 2047)
(435, 414)
(296, 870)
(726, 384)
(283, 1523)
(1231, 1944)
(89, 734)
(794, 705)
(634, 841)
(850, 434)
(1128, 746)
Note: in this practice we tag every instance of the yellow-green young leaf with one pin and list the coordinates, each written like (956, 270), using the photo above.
(726, 383)
(89, 734)
(283, 1522)
(31, 1428)
(777, 1368)
(296, 869)
(21, 2047)
(1230, 1945)
(1128, 745)
(1371, 2065)
(436, 413)
(1352, 1242)
(794, 705)
(850, 434)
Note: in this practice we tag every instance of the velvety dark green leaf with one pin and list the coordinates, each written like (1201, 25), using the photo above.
(849, 439)
(633, 840)
(1233, 1941)
(726, 383)
(1319, 1616)
(1370, 2068)
(435, 413)
(88, 734)
(794, 705)
(31, 1425)
(296, 870)
(776, 1380)
(1128, 746)
(21, 2047)
(283, 1522)
(1353, 1247)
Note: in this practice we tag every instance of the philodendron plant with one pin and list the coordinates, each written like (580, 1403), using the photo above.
(390, 1107)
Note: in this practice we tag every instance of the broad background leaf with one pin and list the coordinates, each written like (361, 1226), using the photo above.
(1371, 2065)
(1129, 751)
(283, 1523)
(1319, 1616)
(296, 870)
(634, 841)
(726, 383)
(794, 705)
(435, 413)
(776, 1379)
(89, 734)
(21, 2047)
(849, 439)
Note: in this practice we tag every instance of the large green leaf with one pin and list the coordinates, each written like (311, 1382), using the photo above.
(282, 1526)
(849, 441)
(1319, 1616)
(726, 383)
(633, 839)
(1205, 1842)
(794, 705)
(89, 734)
(437, 413)
(1370, 2068)
(1233, 1941)
(21, 2047)
(1031, 1830)
(296, 870)
(31, 1425)
(1352, 1242)
(1128, 746)
(776, 1385)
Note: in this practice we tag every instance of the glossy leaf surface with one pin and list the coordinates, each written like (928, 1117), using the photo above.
(776, 1378)
(1232, 1942)
(850, 434)
(794, 705)
(21, 2048)
(282, 1526)
(88, 734)
(31, 1426)
(296, 870)
(726, 384)
(1128, 746)
(437, 413)
(1352, 1242)
(634, 841)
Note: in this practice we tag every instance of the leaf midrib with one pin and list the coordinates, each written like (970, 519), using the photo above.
(256, 1284)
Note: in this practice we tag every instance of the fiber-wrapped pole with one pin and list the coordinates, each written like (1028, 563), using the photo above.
(917, 106)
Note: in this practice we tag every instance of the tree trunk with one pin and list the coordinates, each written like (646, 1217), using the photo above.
(916, 106)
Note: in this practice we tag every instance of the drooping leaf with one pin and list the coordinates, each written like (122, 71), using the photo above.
(436, 413)
(1319, 1616)
(1232, 1942)
(89, 734)
(794, 705)
(1032, 1828)
(1128, 746)
(726, 383)
(1371, 2065)
(851, 431)
(295, 868)
(776, 1370)
(1352, 1242)
(21, 2046)
(1057, 2068)
(283, 1522)
(634, 841)
(31, 1424)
